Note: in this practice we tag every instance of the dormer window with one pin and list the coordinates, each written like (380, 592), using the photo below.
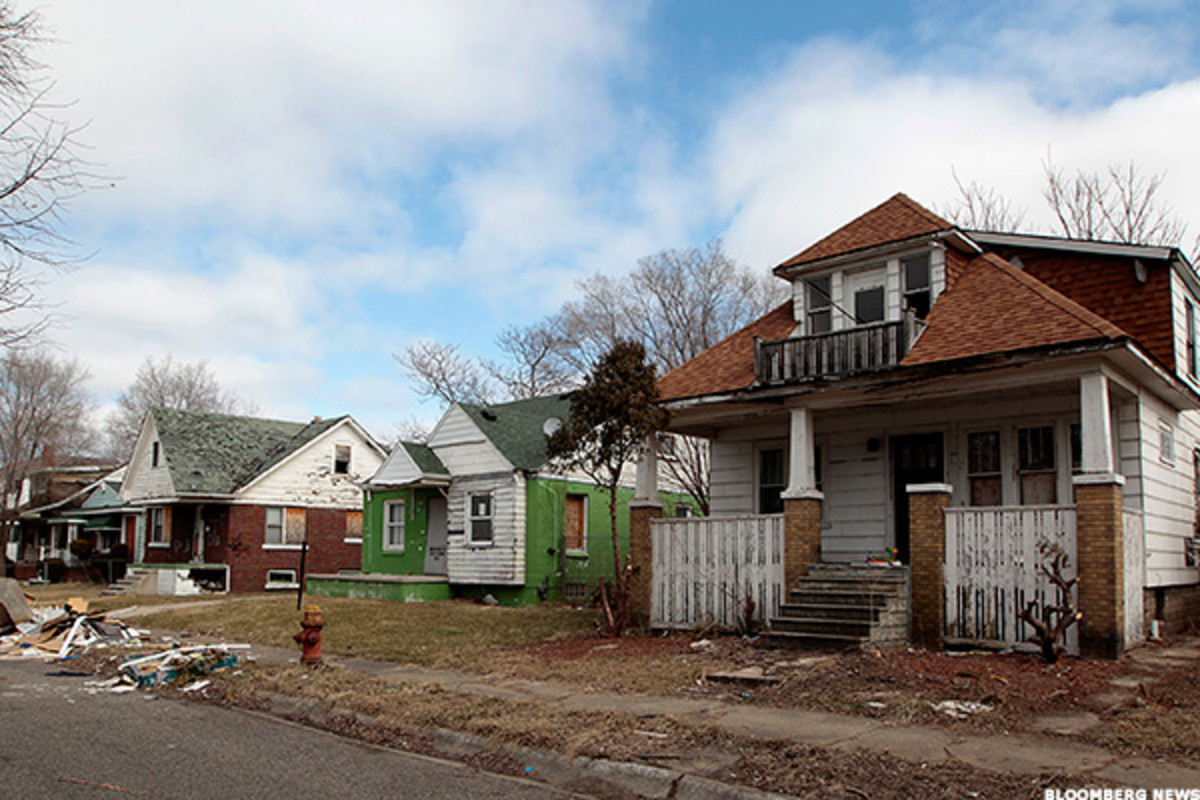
(866, 291)
(916, 284)
(820, 305)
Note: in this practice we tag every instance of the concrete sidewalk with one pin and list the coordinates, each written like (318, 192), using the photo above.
(1022, 754)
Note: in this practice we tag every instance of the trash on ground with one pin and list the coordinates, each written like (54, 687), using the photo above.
(160, 668)
(961, 709)
(59, 632)
(700, 644)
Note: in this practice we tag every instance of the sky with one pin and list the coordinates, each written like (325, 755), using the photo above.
(299, 190)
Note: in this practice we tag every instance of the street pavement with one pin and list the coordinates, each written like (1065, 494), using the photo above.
(60, 738)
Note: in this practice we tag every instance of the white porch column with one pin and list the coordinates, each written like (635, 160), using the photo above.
(1095, 426)
(802, 472)
(647, 473)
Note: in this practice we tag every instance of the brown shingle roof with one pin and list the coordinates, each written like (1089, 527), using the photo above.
(729, 364)
(897, 218)
(995, 308)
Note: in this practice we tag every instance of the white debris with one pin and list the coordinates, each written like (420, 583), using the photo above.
(961, 709)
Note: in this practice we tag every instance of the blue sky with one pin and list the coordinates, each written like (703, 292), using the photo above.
(302, 192)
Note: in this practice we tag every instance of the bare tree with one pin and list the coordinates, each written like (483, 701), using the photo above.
(40, 172)
(439, 370)
(1123, 204)
(982, 208)
(44, 408)
(167, 383)
(538, 361)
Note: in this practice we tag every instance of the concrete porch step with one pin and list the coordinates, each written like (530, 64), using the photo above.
(817, 625)
(838, 596)
(800, 640)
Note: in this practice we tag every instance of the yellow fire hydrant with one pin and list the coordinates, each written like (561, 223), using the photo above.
(309, 638)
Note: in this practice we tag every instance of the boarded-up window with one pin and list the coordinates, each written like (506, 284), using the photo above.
(1036, 466)
(983, 468)
(576, 537)
(354, 524)
(295, 525)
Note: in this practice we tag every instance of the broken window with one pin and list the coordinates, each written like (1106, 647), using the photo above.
(341, 459)
(479, 508)
(917, 295)
(393, 526)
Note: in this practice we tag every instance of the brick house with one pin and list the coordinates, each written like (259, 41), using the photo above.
(230, 501)
(950, 401)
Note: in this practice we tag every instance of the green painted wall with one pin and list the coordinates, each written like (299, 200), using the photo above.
(545, 560)
(412, 560)
(378, 590)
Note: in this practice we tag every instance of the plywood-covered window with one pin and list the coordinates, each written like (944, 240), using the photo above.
(983, 468)
(354, 525)
(576, 523)
(1036, 470)
(393, 526)
(284, 526)
(479, 514)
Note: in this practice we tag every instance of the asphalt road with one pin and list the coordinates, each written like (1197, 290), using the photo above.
(60, 739)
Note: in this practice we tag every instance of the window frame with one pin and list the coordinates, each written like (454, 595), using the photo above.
(157, 522)
(997, 474)
(776, 488)
(155, 454)
(283, 543)
(277, 585)
(1189, 312)
(473, 538)
(1166, 443)
(568, 545)
(824, 310)
(388, 526)
(341, 466)
(1023, 471)
(909, 291)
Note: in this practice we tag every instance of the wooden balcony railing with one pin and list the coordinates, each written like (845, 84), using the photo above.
(866, 348)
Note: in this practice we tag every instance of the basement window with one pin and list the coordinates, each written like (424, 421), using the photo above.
(341, 459)
(281, 579)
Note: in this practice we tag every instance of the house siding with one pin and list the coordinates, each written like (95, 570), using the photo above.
(416, 509)
(462, 447)
(1169, 492)
(1180, 295)
(249, 561)
(306, 478)
(144, 481)
(503, 561)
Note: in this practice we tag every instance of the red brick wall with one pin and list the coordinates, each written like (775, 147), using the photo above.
(242, 547)
(1107, 286)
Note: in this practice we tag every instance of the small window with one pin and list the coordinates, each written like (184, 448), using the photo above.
(983, 468)
(274, 530)
(576, 523)
(772, 480)
(1036, 466)
(341, 459)
(1190, 313)
(155, 450)
(281, 579)
(916, 284)
(479, 509)
(868, 305)
(157, 528)
(1076, 448)
(683, 511)
(1166, 443)
(820, 304)
(393, 526)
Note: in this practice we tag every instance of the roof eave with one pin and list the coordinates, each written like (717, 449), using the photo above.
(952, 236)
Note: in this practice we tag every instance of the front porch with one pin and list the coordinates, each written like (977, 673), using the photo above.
(961, 485)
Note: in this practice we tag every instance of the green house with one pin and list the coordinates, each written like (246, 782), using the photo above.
(478, 510)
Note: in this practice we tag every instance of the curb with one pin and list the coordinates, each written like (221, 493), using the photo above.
(580, 774)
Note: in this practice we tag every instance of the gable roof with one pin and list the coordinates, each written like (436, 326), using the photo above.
(729, 364)
(994, 307)
(517, 429)
(409, 463)
(219, 453)
(896, 219)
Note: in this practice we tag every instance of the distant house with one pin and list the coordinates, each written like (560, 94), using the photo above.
(964, 397)
(479, 509)
(230, 500)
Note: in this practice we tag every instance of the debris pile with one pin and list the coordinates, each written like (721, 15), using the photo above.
(56, 631)
(181, 662)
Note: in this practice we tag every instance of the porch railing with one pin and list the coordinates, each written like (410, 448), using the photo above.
(705, 568)
(993, 568)
(867, 348)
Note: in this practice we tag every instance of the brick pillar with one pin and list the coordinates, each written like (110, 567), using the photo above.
(1100, 555)
(801, 536)
(927, 556)
(641, 560)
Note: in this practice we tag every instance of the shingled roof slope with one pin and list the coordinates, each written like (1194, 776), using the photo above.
(896, 219)
(729, 364)
(425, 459)
(518, 428)
(219, 453)
(995, 308)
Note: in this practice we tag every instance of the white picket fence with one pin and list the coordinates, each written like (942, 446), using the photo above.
(704, 568)
(993, 569)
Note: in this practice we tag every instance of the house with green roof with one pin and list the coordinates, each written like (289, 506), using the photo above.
(479, 510)
(234, 500)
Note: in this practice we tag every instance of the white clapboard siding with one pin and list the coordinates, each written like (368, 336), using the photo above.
(142, 481)
(704, 568)
(307, 478)
(1168, 492)
(503, 561)
(1135, 577)
(994, 569)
